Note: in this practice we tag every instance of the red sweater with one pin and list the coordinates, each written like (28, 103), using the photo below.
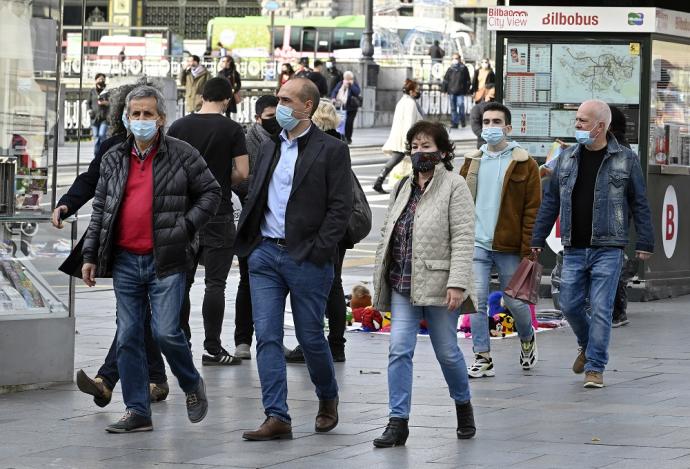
(135, 220)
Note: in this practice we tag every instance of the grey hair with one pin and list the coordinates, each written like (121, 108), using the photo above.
(146, 91)
(349, 74)
(603, 111)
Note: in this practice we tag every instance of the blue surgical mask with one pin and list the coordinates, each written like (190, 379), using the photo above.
(583, 136)
(143, 130)
(125, 121)
(493, 135)
(285, 118)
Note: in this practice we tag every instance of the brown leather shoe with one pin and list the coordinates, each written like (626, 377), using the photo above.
(327, 418)
(271, 429)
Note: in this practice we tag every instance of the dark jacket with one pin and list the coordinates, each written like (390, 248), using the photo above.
(320, 82)
(255, 136)
(619, 195)
(333, 77)
(185, 197)
(476, 118)
(97, 112)
(84, 186)
(320, 202)
(457, 80)
(80, 192)
(355, 90)
(436, 52)
(233, 77)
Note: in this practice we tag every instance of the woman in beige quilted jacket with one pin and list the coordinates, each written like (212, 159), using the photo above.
(424, 271)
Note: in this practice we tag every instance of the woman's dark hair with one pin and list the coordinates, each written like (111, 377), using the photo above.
(290, 70)
(118, 102)
(438, 133)
(409, 86)
(231, 61)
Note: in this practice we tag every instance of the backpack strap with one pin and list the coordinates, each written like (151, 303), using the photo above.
(400, 186)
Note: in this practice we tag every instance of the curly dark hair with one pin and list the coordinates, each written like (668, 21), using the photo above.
(118, 103)
(436, 132)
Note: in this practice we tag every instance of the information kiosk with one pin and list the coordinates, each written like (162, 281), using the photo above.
(551, 58)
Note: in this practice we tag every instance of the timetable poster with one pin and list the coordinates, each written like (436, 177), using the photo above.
(521, 87)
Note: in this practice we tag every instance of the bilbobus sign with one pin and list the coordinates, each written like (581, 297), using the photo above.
(581, 19)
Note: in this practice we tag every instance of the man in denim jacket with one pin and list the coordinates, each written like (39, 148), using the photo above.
(596, 186)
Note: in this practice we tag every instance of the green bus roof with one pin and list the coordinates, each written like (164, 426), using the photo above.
(351, 21)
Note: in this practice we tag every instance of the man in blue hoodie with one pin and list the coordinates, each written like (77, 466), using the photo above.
(504, 181)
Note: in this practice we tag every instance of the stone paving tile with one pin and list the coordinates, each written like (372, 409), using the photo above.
(541, 419)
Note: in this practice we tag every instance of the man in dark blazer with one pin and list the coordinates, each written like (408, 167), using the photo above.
(297, 209)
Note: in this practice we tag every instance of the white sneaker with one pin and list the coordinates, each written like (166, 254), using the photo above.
(482, 366)
(528, 353)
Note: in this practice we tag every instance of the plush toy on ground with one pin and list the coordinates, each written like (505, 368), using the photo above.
(500, 320)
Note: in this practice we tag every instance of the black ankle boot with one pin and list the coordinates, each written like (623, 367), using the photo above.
(466, 428)
(378, 185)
(395, 434)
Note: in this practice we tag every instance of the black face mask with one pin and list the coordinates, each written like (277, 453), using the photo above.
(271, 125)
(423, 162)
(417, 96)
(100, 85)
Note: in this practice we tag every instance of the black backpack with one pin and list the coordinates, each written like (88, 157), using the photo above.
(359, 225)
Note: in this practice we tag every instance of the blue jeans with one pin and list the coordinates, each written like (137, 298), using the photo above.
(98, 132)
(272, 275)
(457, 109)
(136, 284)
(506, 265)
(593, 270)
(443, 331)
(108, 371)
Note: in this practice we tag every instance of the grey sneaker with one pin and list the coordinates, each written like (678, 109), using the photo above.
(197, 404)
(130, 423)
(594, 379)
(242, 351)
(580, 362)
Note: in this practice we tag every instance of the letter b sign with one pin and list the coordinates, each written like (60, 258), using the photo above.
(669, 221)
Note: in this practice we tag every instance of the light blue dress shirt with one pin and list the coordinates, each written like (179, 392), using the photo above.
(273, 224)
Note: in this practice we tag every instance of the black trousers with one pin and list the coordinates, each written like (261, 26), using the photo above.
(335, 307)
(349, 123)
(108, 371)
(394, 160)
(244, 323)
(215, 253)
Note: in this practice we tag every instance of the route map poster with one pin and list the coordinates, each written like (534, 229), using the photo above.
(595, 71)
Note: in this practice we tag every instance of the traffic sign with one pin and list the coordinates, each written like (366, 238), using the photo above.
(271, 5)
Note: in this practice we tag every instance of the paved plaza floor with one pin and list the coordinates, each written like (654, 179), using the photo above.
(538, 419)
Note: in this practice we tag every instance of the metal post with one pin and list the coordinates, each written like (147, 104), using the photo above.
(368, 33)
(273, 35)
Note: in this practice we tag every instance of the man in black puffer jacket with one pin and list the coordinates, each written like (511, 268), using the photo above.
(153, 195)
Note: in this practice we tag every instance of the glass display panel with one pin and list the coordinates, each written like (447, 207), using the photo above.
(670, 100)
(544, 83)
